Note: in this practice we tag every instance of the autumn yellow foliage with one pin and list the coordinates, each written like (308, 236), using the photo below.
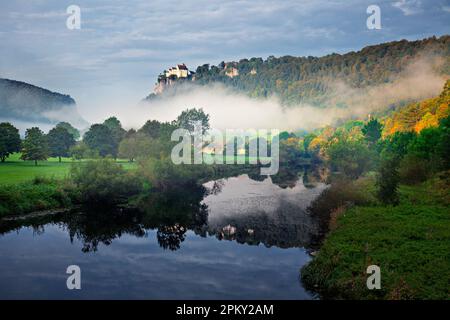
(421, 115)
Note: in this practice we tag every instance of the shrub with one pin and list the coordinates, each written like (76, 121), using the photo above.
(387, 181)
(413, 170)
(104, 182)
(162, 174)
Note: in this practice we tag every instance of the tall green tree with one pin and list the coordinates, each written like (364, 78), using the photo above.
(443, 148)
(397, 143)
(372, 131)
(100, 138)
(59, 142)
(350, 157)
(151, 128)
(79, 151)
(139, 145)
(9, 140)
(73, 131)
(388, 180)
(34, 146)
(116, 129)
(189, 117)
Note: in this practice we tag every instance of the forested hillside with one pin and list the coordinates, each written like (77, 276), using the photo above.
(421, 115)
(23, 101)
(313, 80)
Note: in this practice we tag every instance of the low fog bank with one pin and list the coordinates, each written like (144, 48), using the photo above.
(229, 109)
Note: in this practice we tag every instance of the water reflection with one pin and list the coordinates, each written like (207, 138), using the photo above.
(255, 212)
(238, 208)
(179, 244)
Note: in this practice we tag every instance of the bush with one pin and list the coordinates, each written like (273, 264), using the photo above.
(342, 193)
(387, 181)
(104, 182)
(163, 174)
(413, 170)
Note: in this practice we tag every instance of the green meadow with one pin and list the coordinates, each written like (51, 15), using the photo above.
(14, 170)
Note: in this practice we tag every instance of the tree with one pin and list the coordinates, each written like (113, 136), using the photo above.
(116, 129)
(372, 131)
(73, 131)
(151, 128)
(387, 181)
(307, 140)
(443, 147)
(286, 135)
(425, 145)
(189, 117)
(34, 146)
(79, 151)
(100, 138)
(9, 140)
(350, 157)
(59, 142)
(397, 143)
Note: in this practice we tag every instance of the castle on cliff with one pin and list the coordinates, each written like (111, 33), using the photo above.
(174, 74)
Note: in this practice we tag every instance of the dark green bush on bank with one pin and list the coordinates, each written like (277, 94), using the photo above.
(104, 182)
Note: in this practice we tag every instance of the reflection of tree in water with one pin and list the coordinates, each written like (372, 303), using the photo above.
(216, 187)
(171, 213)
(174, 212)
(93, 228)
(170, 237)
(268, 215)
(312, 176)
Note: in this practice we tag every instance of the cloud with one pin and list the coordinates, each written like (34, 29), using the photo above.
(130, 44)
(409, 7)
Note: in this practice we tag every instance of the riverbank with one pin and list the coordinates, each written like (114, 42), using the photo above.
(409, 242)
(100, 182)
(36, 195)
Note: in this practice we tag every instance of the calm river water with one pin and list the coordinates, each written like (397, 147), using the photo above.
(241, 239)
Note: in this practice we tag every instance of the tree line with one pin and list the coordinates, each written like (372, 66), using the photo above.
(107, 139)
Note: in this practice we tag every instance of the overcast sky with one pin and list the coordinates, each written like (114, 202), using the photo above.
(122, 45)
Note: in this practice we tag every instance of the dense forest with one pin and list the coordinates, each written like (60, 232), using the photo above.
(310, 79)
(420, 115)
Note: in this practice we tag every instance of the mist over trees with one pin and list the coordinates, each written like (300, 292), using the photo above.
(309, 79)
(73, 131)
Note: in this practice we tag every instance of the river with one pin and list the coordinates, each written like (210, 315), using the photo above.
(236, 238)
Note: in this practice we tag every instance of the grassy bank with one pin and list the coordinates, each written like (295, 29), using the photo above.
(409, 242)
(35, 195)
(14, 170)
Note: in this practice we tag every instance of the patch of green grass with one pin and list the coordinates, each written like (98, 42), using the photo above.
(409, 242)
(38, 194)
(15, 170)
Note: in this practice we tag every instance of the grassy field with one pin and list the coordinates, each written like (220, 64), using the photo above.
(409, 242)
(15, 170)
